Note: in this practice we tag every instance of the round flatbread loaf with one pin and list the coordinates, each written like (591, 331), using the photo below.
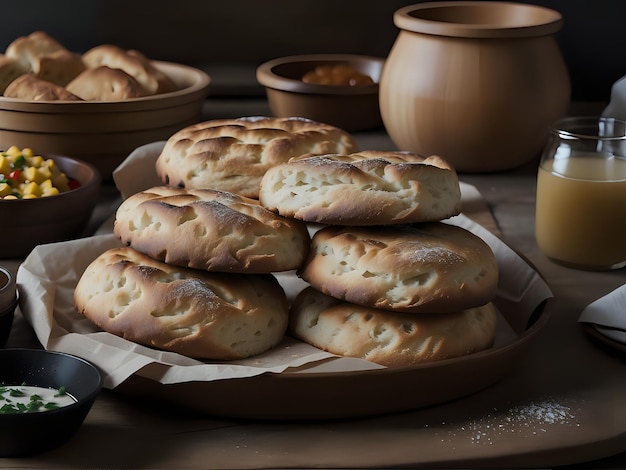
(234, 154)
(391, 339)
(194, 313)
(434, 267)
(210, 230)
(365, 188)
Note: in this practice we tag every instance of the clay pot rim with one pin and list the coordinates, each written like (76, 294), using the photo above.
(515, 19)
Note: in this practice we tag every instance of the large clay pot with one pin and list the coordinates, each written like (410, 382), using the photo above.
(478, 83)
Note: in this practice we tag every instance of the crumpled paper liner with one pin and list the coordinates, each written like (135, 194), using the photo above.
(48, 276)
(608, 314)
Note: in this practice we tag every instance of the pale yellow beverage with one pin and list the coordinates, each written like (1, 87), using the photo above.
(581, 211)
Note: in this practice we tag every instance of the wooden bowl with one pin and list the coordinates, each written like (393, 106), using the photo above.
(104, 133)
(31, 222)
(351, 108)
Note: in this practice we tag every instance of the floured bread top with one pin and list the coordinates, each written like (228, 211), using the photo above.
(234, 154)
(210, 230)
(433, 267)
(364, 188)
(392, 339)
(195, 313)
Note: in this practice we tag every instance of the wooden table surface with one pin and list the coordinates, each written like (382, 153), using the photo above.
(565, 372)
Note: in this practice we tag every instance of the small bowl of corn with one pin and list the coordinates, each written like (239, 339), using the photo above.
(43, 199)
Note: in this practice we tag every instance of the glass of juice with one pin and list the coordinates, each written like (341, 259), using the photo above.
(581, 194)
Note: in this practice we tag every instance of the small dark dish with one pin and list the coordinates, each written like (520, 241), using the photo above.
(31, 222)
(32, 433)
(351, 108)
(6, 320)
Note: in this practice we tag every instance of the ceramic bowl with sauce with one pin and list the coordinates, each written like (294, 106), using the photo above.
(67, 386)
(352, 107)
(31, 222)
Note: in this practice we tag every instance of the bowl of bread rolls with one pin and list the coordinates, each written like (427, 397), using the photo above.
(338, 89)
(97, 105)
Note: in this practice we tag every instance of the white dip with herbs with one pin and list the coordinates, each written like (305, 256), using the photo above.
(16, 399)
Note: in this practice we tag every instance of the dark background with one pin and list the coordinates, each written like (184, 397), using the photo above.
(216, 34)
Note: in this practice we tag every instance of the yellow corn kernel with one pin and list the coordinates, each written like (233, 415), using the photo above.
(28, 152)
(5, 165)
(5, 189)
(30, 188)
(49, 192)
(30, 174)
(30, 196)
(61, 181)
(10, 196)
(43, 174)
(13, 150)
(36, 161)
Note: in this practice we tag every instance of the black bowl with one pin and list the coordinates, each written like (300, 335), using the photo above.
(32, 433)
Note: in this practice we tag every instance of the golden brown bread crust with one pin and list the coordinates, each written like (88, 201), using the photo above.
(210, 230)
(364, 188)
(133, 63)
(234, 154)
(388, 338)
(59, 67)
(37, 44)
(105, 84)
(46, 58)
(433, 267)
(10, 69)
(29, 87)
(198, 314)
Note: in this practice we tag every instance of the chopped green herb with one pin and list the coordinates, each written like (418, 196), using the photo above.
(25, 399)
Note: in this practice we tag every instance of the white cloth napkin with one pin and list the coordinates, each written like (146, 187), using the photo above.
(608, 314)
(617, 106)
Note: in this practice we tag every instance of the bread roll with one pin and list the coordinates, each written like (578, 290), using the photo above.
(365, 188)
(233, 154)
(133, 63)
(194, 313)
(10, 69)
(46, 58)
(59, 68)
(25, 49)
(29, 87)
(105, 84)
(433, 267)
(391, 339)
(210, 230)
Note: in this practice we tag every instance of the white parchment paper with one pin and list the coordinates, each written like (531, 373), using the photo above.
(608, 314)
(48, 276)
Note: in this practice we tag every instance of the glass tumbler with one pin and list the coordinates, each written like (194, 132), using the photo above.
(581, 194)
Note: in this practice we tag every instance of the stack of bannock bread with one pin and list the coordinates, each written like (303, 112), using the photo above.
(39, 68)
(245, 198)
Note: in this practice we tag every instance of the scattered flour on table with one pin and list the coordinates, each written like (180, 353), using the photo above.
(526, 420)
